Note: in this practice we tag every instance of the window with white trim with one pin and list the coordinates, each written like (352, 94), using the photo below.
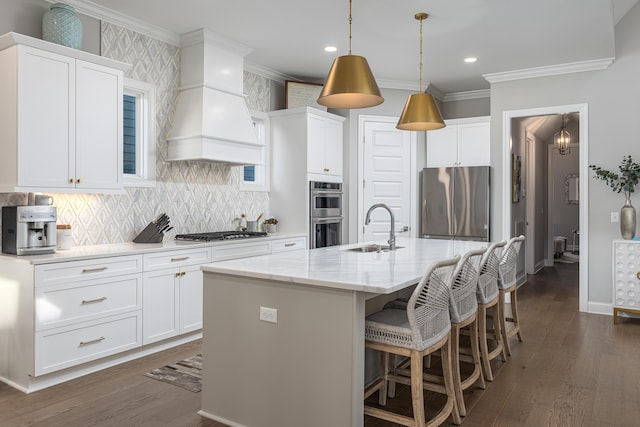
(139, 136)
(256, 177)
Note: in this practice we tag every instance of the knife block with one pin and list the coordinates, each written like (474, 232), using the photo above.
(150, 234)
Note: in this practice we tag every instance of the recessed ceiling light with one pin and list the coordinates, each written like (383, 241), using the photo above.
(330, 49)
(470, 59)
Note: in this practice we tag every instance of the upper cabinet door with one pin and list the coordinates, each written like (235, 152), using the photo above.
(98, 126)
(442, 148)
(333, 148)
(473, 144)
(316, 131)
(46, 118)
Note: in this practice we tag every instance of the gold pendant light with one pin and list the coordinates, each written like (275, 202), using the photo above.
(420, 111)
(350, 83)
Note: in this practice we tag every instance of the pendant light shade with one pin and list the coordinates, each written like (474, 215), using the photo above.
(350, 83)
(420, 111)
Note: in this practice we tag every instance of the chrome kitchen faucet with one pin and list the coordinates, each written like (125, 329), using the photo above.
(392, 232)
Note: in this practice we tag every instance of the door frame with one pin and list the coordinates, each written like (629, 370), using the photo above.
(583, 110)
(413, 161)
(531, 207)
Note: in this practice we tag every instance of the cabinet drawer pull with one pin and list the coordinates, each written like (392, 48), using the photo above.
(288, 245)
(326, 169)
(94, 270)
(91, 301)
(97, 340)
(184, 258)
(638, 275)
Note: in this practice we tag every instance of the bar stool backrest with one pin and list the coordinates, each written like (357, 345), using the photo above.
(462, 297)
(428, 307)
(488, 278)
(509, 263)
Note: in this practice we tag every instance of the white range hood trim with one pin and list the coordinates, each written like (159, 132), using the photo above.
(203, 148)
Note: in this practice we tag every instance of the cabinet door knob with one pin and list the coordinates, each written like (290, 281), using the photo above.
(638, 275)
(72, 181)
(78, 181)
(326, 169)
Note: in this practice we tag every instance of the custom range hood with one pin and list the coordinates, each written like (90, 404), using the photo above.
(212, 121)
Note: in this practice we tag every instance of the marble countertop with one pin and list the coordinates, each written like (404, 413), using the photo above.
(79, 253)
(337, 267)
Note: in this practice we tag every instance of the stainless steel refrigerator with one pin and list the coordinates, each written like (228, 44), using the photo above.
(455, 203)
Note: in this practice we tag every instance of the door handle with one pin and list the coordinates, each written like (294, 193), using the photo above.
(404, 229)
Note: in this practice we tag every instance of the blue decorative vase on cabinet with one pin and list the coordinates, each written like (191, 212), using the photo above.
(61, 25)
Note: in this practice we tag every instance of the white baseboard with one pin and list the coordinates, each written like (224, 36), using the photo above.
(219, 419)
(600, 308)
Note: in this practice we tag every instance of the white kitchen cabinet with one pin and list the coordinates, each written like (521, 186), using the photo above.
(62, 118)
(316, 135)
(626, 277)
(172, 297)
(85, 310)
(463, 142)
(304, 142)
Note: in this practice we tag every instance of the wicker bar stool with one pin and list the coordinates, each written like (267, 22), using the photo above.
(507, 285)
(420, 329)
(488, 298)
(463, 309)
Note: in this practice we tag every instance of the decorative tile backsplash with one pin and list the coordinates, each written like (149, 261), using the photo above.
(197, 196)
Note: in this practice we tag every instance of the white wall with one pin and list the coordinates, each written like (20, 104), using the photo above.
(613, 102)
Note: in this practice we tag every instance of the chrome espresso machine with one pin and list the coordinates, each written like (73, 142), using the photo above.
(29, 230)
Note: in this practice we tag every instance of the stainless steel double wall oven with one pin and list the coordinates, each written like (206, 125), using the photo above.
(325, 208)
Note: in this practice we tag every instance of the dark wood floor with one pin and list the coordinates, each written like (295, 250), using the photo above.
(573, 369)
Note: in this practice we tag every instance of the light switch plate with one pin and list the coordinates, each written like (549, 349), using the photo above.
(615, 216)
(269, 314)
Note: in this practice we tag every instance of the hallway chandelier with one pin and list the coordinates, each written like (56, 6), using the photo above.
(350, 83)
(562, 139)
(420, 111)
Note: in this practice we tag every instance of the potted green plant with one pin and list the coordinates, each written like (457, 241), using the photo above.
(269, 225)
(626, 180)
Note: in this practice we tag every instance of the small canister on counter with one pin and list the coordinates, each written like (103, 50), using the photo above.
(64, 238)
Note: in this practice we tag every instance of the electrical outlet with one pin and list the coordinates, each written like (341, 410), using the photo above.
(615, 216)
(269, 314)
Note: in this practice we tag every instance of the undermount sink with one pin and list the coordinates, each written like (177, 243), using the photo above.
(371, 248)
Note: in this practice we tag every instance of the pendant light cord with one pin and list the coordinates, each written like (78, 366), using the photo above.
(421, 54)
(350, 21)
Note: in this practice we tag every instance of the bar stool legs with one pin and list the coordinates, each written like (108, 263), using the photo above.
(514, 319)
(485, 335)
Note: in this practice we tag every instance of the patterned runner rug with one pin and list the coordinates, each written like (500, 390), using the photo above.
(186, 373)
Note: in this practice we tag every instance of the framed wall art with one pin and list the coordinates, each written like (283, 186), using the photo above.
(516, 177)
(300, 94)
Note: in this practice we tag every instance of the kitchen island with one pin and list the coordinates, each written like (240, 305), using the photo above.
(284, 333)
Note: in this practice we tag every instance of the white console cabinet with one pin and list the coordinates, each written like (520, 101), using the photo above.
(62, 118)
(463, 142)
(626, 277)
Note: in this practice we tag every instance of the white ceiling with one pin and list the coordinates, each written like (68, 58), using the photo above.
(506, 35)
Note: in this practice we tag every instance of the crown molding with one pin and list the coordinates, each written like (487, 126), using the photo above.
(550, 70)
(463, 96)
(267, 72)
(86, 7)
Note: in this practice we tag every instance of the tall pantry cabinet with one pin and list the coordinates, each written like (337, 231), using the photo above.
(61, 118)
(306, 145)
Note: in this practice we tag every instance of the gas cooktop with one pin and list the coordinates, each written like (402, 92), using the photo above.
(220, 235)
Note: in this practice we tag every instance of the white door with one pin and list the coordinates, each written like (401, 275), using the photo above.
(386, 178)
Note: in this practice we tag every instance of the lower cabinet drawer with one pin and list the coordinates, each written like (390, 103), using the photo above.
(71, 303)
(72, 345)
(286, 245)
